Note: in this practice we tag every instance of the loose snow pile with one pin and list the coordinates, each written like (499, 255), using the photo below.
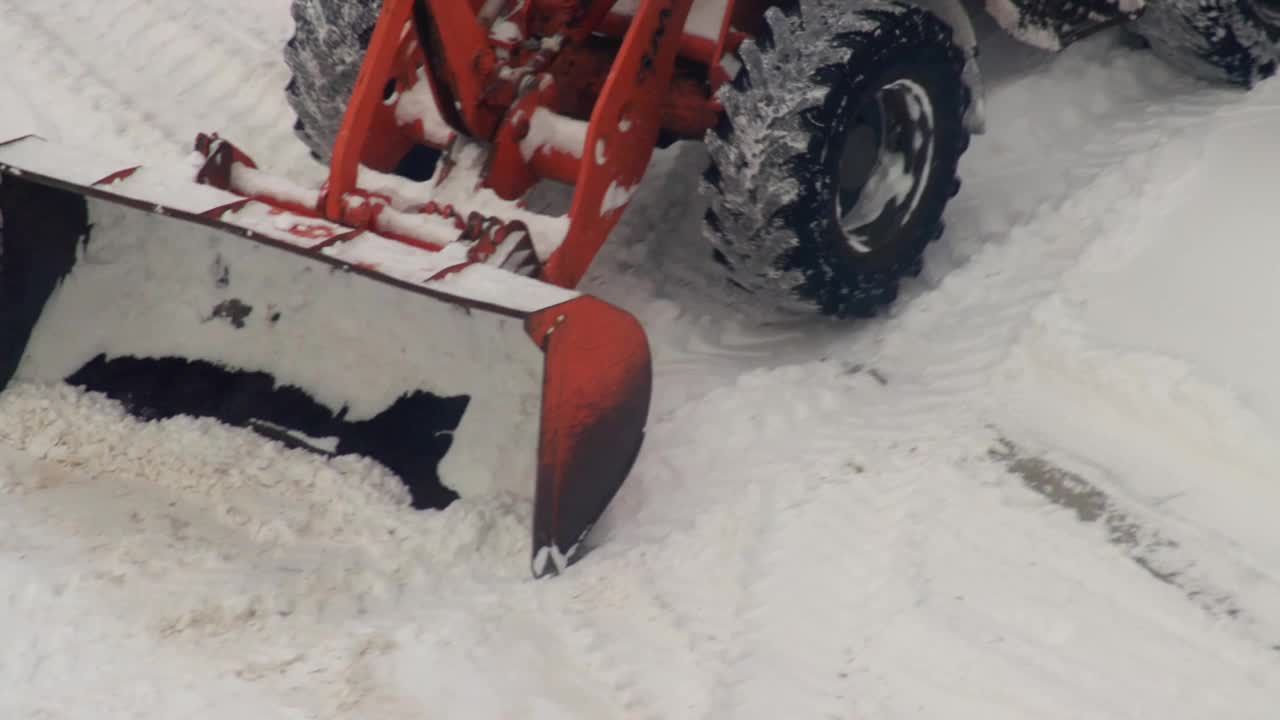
(1040, 489)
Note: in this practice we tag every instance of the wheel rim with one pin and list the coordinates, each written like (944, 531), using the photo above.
(884, 166)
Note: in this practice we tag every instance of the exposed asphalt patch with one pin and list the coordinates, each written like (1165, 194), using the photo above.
(1152, 551)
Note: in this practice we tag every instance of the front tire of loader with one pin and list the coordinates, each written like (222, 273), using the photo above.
(1232, 41)
(837, 155)
(324, 56)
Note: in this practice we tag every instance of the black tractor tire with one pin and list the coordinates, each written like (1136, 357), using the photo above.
(1231, 41)
(839, 112)
(324, 56)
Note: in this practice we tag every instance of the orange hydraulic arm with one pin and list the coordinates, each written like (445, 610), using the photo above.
(495, 67)
(622, 134)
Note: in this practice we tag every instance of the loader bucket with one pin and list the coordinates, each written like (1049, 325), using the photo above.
(179, 298)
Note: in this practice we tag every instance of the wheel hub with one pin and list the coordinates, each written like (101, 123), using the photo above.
(885, 165)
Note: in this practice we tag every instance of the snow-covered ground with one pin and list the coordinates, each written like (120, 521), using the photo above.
(1041, 488)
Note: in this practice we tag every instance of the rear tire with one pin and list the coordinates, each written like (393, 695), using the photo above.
(1232, 41)
(836, 155)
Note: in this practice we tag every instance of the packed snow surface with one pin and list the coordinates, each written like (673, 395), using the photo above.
(1043, 487)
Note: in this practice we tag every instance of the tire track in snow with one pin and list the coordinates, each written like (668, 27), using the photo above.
(1059, 234)
(688, 640)
(173, 72)
(952, 338)
(75, 106)
(800, 566)
(604, 620)
(1005, 314)
(746, 606)
(1130, 530)
(859, 534)
(960, 606)
(938, 352)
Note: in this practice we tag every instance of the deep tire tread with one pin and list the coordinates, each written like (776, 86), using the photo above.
(324, 56)
(756, 223)
(1229, 41)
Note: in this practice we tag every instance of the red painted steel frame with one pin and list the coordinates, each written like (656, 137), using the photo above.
(625, 119)
(354, 132)
(624, 129)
